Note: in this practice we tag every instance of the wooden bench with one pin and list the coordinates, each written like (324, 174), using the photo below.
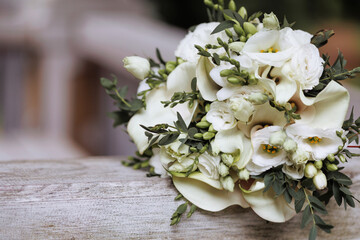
(98, 198)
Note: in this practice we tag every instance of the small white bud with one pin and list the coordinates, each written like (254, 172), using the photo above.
(236, 46)
(228, 159)
(290, 145)
(271, 21)
(244, 174)
(300, 156)
(277, 138)
(258, 98)
(137, 66)
(227, 183)
(310, 170)
(223, 170)
(320, 180)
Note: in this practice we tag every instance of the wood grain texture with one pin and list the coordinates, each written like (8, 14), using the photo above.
(98, 198)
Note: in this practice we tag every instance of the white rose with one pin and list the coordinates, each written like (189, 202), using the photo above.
(200, 36)
(274, 47)
(208, 165)
(137, 66)
(220, 116)
(306, 66)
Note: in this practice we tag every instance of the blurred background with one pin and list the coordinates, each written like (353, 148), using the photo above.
(53, 53)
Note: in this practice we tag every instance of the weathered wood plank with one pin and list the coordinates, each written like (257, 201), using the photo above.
(98, 198)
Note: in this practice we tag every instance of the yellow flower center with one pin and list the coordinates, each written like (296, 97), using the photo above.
(269, 50)
(269, 148)
(315, 140)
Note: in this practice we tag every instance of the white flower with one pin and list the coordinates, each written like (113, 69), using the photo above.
(223, 170)
(208, 165)
(241, 108)
(319, 142)
(300, 156)
(310, 170)
(275, 47)
(156, 163)
(294, 171)
(137, 66)
(271, 22)
(320, 180)
(200, 36)
(305, 67)
(236, 46)
(227, 183)
(265, 155)
(278, 138)
(220, 116)
(290, 145)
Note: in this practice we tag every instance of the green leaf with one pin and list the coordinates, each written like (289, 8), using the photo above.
(193, 84)
(178, 197)
(321, 37)
(350, 200)
(255, 15)
(216, 59)
(169, 138)
(313, 233)
(182, 208)
(107, 84)
(181, 123)
(287, 196)
(192, 210)
(120, 117)
(315, 201)
(222, 26)
(337, 194)
(158, 55)
(286, 23)
(306, 217)
(299, 204)
(345, 190)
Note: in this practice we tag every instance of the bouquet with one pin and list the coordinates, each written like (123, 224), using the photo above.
(247, 114)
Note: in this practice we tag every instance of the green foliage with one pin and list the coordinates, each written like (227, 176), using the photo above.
(182, 97)
(289, 113)
(176, 217)
(321, 37)
(141, 161)
(286, 23)
(353, 128)
(127, 107)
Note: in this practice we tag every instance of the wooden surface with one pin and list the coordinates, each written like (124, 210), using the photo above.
(98, 198)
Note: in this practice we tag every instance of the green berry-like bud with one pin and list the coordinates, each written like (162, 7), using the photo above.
(211, 129)
(170, 66)
(193, 149)
(207, 107)
(339, 133)
(228, 33)
(198, 135)
(203, 125)
(331, 157)
(249, 28)
(331, 167)
(340, 148)
(243, 39)
(226, 72)
(203, 119)
(239, 30)
(258, 98)
(232, 5)
(243, 13)
(252, 79)
(249, 36)
(208, 135)
(179, 60)
(236, 80)
(318, 164)
(342, 158)
(209, 3)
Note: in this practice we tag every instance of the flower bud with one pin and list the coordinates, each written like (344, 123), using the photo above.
(243, 39)
(310, 170)
(137, 66)
(236, 80)
(320, 180)
(228, 33)
(203, 125)
(277, 138)
(342, 158)
(211, 129)
(318, 164)
(223, 170)
(271, 21)
(290, 145)
(208, 135)
(249, 28)
(243, 13)
(193, 149)
(236, 46)
(227, 72)
(228, 159)
(232, 5)
(209, 3)
(300, 156)
(198, 135)
(239, 30)
(207, 107)
(331, 157)
(258, 98)
(244, 174)
(331, 167)
(252, 79)
(170, 66)
(179, 60)
(227, 183)
(241, 108)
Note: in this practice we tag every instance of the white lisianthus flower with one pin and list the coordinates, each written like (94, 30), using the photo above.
(305, 67)
(200, 36)
(294, 171)
(300, 156)
(275, 47)
(220, 116)
(208, 165)
(318, 142)
(137, 66)
(265, 155)
(271, 22)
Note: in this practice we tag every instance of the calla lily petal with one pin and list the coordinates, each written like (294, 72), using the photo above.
(229, 141)
(267, 206)
(207, 87)
(206, 197)
(179, 80)
(330, 106)
(200, 177)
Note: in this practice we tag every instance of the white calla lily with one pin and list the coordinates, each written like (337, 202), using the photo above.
(207, 197)
(266, 205)
(207, 87)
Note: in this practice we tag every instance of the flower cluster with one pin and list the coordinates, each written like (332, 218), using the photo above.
(249, 114)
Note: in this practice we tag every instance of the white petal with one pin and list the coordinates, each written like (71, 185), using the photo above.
(268, 207)
(207, 87)
(179, 80)
(229, 141)
(331, 106)
(206, 197)
(286, 88)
